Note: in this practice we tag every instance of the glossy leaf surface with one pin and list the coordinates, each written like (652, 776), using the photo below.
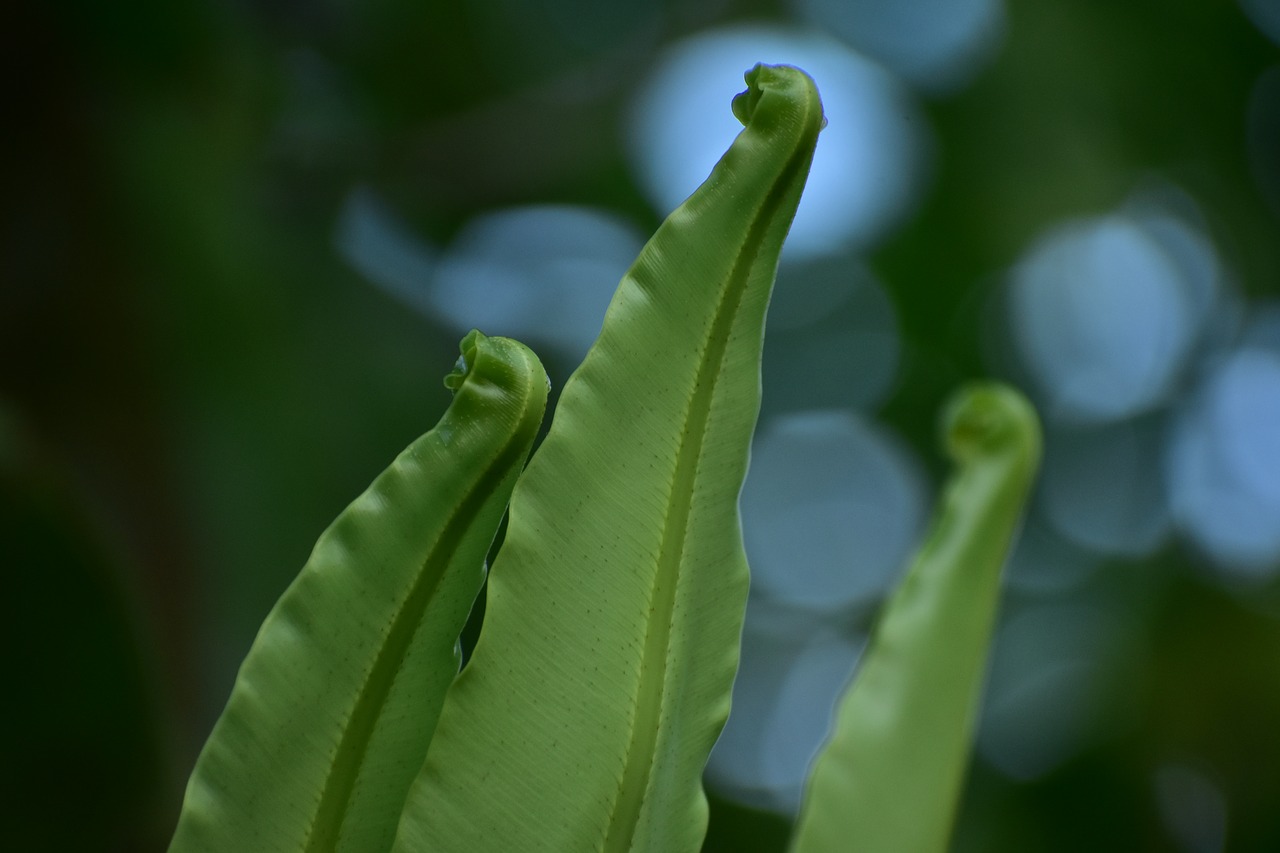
(333, 708)
(890, 777)
(603, 672)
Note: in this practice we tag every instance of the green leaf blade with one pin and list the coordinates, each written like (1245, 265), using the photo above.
(333, 708)
(603, 672)
(891, 774)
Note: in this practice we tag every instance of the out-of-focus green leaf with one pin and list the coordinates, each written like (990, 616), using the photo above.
(603, 671)
(334, 706)
(890, 777)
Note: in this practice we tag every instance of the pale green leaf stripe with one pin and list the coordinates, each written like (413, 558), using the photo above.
(329, 719)
(603, 672)
(890, 777)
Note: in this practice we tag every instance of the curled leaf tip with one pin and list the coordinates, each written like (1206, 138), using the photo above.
(744, 103)
(792, 82)
(466, 360)
(988, 418)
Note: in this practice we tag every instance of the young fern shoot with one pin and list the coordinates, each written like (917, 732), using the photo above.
(330, 716)
(891, 775)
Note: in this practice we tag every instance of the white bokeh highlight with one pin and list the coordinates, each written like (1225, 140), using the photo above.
(869, 163)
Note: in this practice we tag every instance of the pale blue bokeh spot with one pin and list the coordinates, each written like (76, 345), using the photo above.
(378, 244)
(831, 510)
(938, 45)
(1223, 464)
(1265, 15)
(793, 671)
(869, 161)
(1104, 319)
(543, 274)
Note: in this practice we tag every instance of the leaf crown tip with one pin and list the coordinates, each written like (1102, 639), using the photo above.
(761, 77)
(989, 417)
(466, 360)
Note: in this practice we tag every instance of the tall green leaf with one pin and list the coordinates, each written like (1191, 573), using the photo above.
(603, 671)
(890, 777)
(330, 716)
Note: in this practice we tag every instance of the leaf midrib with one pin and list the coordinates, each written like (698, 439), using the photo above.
(651, 690)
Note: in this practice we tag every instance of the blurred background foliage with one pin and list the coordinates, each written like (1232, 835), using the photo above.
(241, 241)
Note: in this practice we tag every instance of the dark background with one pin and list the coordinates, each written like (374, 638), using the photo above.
(194, 380)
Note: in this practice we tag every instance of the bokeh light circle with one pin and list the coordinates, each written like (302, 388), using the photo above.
(869, 161)
(1223, 461)
(543, 273)
(935, 44)
(831, 509)
(1104, 318)
(793, 671)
